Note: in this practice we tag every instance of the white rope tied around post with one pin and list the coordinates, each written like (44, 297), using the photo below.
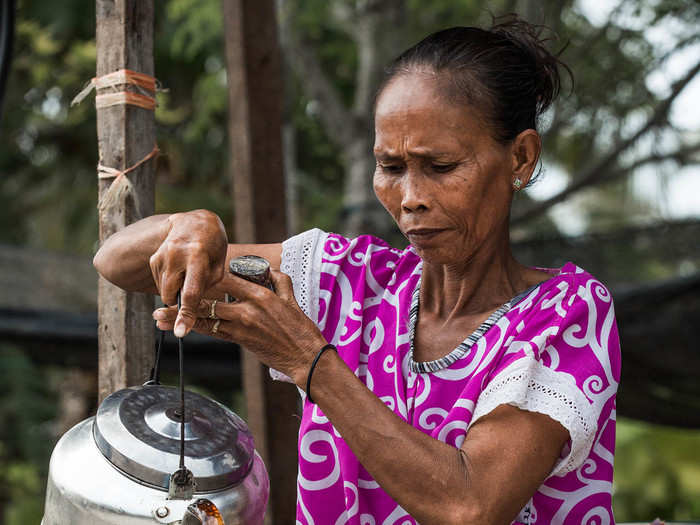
(147, 86)
(121, 185)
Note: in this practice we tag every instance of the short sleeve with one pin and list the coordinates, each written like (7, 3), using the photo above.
(301, 260)
(563, 362)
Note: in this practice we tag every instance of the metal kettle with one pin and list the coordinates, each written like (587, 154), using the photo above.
(118, 467)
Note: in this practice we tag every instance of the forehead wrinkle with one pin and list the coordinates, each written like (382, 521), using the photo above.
(423, 127)
(420, 130)
(419, 145)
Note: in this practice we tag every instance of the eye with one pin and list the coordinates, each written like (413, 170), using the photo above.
(443, 168)
(394, 169)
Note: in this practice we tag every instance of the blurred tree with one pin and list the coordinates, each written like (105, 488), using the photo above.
(605, 129)
(609, 126)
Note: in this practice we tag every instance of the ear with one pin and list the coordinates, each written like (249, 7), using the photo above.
(525, 151)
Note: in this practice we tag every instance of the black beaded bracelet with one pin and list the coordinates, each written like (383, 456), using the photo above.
(311, 370)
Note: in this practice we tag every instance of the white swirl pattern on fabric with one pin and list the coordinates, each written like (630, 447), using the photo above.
(555, 352)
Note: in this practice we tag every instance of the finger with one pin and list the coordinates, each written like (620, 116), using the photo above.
(165, 318)
(168, 313)
(240, 288)
(218, 272)
(165, 325)
(154, 263)
(192, 289)
(169, 286)
(202, 326)
(283, 284)
(204, 311)
(224, 329)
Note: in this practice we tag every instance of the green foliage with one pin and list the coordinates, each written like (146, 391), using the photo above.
(198, 27)
(48, 157)
(657, 473)
(26, 493)
(191, 117)
(319, 162)
(49, 187)
(27, 408)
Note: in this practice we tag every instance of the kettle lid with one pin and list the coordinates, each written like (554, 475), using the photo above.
(138, 430)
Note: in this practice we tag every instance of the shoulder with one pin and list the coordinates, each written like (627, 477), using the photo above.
(563, 298)
(561, 357)
(568, 324)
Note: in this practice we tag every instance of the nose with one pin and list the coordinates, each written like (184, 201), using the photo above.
(414, 194)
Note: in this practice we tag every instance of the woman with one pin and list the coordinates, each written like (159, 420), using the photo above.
(404, 419)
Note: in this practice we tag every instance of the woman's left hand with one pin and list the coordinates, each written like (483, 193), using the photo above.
(268, 323)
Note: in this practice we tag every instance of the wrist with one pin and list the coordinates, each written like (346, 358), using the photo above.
(300, 374)
(315, 365)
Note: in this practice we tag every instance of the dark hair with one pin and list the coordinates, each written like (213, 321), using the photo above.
(505, 71)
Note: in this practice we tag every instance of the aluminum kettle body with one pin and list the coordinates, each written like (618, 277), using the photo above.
(84, 488)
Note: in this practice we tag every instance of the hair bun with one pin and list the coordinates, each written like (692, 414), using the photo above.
(506, 71)
(529, 38)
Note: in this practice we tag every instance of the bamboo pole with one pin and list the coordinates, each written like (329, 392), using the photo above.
(126, 134)
(256, 166)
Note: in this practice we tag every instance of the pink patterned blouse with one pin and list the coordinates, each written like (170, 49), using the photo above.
(554, 349)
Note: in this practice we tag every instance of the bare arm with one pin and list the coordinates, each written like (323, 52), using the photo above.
(123, 258)
(164, 254)
(505, 457)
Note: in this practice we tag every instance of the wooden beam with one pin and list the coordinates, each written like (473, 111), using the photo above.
(126, 134)
(256, 166)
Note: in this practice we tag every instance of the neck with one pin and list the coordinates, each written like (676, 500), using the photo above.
(482, 282)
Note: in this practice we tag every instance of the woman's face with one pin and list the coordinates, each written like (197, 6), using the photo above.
(444, 180)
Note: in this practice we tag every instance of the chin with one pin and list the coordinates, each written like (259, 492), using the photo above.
(437, 255)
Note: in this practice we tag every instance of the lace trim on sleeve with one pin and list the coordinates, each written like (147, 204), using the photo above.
(301, 260)
(529, 385)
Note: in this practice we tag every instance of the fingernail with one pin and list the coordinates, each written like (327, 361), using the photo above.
(159, 315)
(179, 330)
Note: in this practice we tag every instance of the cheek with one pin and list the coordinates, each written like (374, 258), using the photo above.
(461, 200)
(386, 191)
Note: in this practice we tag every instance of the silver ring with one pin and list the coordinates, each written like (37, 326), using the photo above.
(215, 328)
(212, 310)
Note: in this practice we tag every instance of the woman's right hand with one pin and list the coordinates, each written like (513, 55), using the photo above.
(166, 253)
(191, 259)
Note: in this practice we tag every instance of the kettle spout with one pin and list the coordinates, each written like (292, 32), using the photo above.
(202, 512)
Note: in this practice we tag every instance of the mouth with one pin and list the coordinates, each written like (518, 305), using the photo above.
(423, 233)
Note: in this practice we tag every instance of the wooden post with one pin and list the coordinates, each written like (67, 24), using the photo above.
(255, 131)
(126, 134)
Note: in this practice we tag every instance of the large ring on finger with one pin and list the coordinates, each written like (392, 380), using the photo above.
(215, 327)
(212, 310)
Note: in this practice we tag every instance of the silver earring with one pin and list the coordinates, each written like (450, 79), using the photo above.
(516, 184)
